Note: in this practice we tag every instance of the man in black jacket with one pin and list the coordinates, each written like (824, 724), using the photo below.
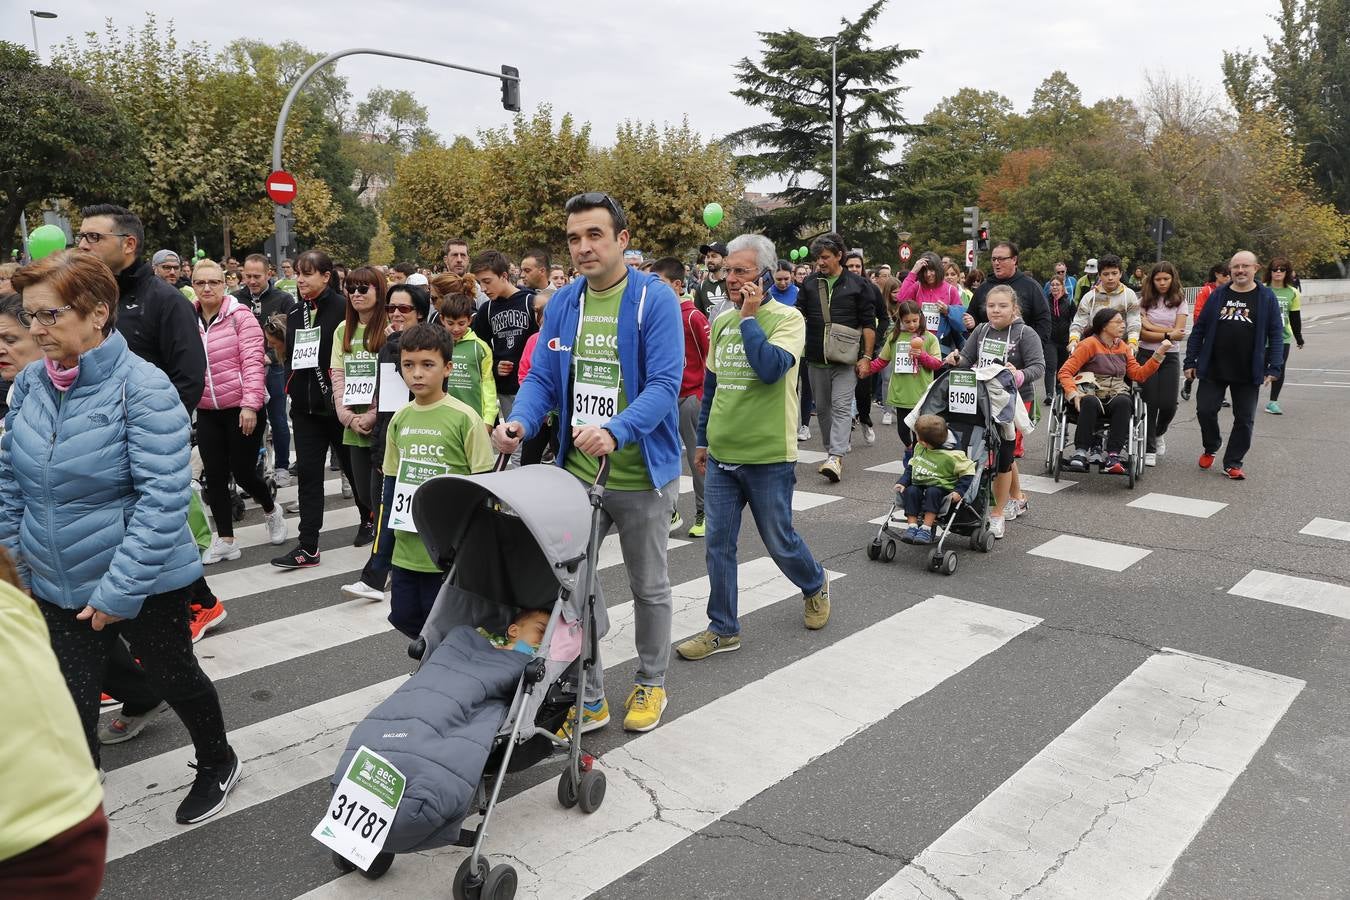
(1030, 298)
(849, 300)
(265, 300)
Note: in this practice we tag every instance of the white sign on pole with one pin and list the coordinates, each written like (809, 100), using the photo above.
(970, 254)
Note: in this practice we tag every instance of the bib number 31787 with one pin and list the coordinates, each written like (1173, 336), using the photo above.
(362, 809)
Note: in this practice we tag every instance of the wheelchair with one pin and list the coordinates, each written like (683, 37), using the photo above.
(1062, 415)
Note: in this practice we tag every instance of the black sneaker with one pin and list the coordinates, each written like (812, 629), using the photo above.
(1078, 462)
(299, 558)
(209, 790)
(1186, 390)
(365, 535)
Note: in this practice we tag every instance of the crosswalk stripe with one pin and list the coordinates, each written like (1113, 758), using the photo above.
(810, 457)
(291, 492)
(894, 467)
(239, 583)
(749, 740)
(1040, 484)
(1108, 806)
(801, 500)
(256, 535)
(1290, 590)
(1327, 528)
(1090, 552)
(1182, 506)
(291, 750)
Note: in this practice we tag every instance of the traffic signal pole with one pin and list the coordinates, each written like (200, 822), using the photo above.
(282, 217)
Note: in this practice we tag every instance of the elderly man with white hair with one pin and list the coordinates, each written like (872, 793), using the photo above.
(747, 444)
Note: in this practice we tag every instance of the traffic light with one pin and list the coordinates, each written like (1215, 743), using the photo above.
(982, 236)
(511, 89)
(970, 219)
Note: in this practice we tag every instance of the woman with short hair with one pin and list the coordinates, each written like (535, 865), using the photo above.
(17, 348)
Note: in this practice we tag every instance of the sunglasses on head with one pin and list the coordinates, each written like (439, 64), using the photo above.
(593, 199)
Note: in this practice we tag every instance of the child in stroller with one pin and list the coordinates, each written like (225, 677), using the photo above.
(935, 477)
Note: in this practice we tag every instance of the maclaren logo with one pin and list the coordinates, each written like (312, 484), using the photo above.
(557, 346)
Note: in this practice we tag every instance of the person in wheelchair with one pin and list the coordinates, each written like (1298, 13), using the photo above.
(1106, 357)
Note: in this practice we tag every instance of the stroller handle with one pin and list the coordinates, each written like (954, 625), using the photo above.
(602, 473)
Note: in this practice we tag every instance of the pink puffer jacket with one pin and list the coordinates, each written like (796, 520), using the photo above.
(235, 359)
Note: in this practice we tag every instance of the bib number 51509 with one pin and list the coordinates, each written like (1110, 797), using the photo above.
(961, 394)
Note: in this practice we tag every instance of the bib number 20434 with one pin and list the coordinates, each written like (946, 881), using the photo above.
(362, 808)
(961, 391)
(305, 352)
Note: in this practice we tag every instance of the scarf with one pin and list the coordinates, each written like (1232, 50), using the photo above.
(61, 378)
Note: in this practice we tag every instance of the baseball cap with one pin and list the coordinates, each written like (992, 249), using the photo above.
(715, 247)
(1091, 266)
(417, 278)
(163, 256)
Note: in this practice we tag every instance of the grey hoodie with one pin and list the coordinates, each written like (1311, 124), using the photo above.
(1024, 352)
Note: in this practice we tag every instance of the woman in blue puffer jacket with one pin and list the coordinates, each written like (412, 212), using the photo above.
(94, 469)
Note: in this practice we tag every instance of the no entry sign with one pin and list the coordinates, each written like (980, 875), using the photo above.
(281, 187)
(905, 252)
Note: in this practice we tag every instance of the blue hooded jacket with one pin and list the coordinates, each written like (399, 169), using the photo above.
(1267, 354)
(651, 361)
(95, 482)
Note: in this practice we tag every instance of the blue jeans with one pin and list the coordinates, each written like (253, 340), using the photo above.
(276, 416)
(768, 489)
(411, 596)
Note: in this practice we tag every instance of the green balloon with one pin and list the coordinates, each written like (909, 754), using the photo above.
(201, 254)
(712, 215)
(803, 253)
(44, 241)
(793, 254)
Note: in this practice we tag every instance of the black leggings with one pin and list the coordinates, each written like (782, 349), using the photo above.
(862, 395)
(1118, 410)
(1278, 383)
(159, 638)
(314, 435)
(1160, 395)
(226, 451)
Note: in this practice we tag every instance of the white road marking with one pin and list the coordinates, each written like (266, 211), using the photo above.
(256, 535)
(1089, 552)
(1107, 808)
(1289, 590)
(659, 793)
(1040, 484)
(801, 500)
(1327, 528)
(1182, 506)
(894, 467)
(239, 583)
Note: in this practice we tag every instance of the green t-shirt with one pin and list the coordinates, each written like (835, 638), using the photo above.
(1289, 302)
(934, 467)
(752, 422)
(598, 341)
(288, 285)
(907, 388)
(471, 379)
(355, 362)
(446, 433)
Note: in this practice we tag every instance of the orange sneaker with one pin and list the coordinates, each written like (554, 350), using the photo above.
(204, 618)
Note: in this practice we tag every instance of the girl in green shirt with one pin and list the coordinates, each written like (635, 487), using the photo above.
(1280, 277)
(913, 355)
(353, 369)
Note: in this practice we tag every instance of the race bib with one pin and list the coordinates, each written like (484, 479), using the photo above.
(932, 316)
(595, 392)
(961, 391)
(359, 381)
(411, 476)
(362, 809)
(904, 362)
(305, 353)
(992, 352)
(394, 393)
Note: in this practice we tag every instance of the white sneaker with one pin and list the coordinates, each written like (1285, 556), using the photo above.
(1150, 459)
(346, 489)
(283, 478)
(276, 525)
(996, 526)
(869, 435)
(221, 550)
(832, 468)
(804, 433)
(362, 591)
(887, 418)
(1010, 509)
(1162, 445)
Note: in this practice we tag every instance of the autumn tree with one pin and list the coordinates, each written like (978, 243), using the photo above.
(435, 196)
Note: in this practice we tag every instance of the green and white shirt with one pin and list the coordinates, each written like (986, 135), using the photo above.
(1289, 299)
(356, 363)
(752, 422)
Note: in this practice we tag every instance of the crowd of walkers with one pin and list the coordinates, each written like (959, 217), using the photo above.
(115, 369)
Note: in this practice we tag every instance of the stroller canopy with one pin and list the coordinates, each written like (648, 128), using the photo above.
(479, 520)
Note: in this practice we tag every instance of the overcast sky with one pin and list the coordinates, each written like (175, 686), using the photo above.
(604, 61)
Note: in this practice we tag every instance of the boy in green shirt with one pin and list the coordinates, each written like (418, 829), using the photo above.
(933, 475)
(471, 379)
(434, 435)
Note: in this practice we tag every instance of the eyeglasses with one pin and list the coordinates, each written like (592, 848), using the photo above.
(404, 308)
(93, 237)
(208, 282)
(1000, 258)
(359, 288)
(594, 199)
(741, 271)
(45, 316)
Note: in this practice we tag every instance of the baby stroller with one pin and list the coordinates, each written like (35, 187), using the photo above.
(971, 427)
(1062, 414)
(509, 540)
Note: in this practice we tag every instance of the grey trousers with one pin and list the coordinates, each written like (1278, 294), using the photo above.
(643, 521)
(689, 410)
(833, 387)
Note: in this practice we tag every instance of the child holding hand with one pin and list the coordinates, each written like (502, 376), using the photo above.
(914, 354)
(934, 474)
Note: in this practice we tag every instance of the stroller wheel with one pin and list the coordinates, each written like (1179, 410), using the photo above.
(592, 791)
(935, 560)
(342, 863)
(889, 553)
(461, 889)
(986, 541)
(948, 563)
(500, 883)
(379, 866)
(567, 791)
(874, 550)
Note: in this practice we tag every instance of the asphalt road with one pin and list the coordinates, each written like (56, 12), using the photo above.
(906, 741)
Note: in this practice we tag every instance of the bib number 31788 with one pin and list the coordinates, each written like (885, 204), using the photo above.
(595, 392)
(362, 809)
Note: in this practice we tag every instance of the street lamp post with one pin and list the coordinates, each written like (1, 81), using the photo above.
(33, 16)
(834, 138)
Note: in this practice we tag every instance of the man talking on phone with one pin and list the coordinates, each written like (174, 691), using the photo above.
(610, 354)
(747, 445)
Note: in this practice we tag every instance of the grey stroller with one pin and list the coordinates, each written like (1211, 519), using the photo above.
(509, 540)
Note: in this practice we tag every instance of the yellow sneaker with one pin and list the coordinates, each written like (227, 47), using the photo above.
(645, 705)
(817, 611)
(593, 717)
